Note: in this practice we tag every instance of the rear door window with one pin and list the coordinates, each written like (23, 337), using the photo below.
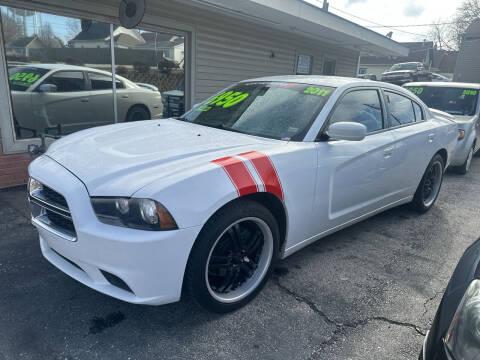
(400, 109)
(103, 82)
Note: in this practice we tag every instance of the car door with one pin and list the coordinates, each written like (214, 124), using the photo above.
(65, 106)
(355, 177)
(101, 98)
(415, 140)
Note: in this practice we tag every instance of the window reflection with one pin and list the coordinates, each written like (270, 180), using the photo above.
(60, 73)
(50, 89)
(155, 62)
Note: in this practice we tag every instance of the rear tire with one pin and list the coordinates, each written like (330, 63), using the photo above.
(232, 257)
(137, 113)
(463, 169)
(429, 187)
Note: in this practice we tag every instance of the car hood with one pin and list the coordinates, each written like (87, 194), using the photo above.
(118, 160)
(398, 72)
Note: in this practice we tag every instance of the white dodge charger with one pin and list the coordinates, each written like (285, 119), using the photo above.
(207, 203)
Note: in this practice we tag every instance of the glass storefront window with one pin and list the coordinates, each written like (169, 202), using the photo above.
(60, 73)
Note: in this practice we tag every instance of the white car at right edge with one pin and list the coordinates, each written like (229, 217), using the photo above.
(205, 204)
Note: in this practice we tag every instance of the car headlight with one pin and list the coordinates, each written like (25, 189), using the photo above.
(463, 336)
(34, 185)
(144, 214)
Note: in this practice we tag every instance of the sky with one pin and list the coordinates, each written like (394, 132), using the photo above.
(395, 12)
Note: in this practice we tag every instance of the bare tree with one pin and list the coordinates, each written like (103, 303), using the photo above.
(73, 28)
(443, 36)
(48, 37)
(466, 13)
(12, 28)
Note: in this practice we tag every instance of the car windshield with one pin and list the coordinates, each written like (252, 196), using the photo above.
(277, 110)
(22, 77)
(397, 67)
(455, 101)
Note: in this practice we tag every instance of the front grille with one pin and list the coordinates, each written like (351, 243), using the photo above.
(54, 210)
(60, 221)
(54, 197)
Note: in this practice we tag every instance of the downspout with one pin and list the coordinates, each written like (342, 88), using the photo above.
(358, 63)
(114, 83)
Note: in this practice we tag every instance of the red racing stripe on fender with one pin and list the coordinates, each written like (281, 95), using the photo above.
(239, 174)
(267, 172)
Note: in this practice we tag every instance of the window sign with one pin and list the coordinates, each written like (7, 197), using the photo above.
(304, 64)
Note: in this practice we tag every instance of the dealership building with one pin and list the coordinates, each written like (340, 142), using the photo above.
(57, 58)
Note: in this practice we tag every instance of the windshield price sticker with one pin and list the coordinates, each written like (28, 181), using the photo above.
(470, 92)
(317, 91)
(24, 78)
(224, 100)
(416, 90)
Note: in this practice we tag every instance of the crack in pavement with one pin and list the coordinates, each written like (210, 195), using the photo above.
(306, 301)
(340, 328)
(429, 300)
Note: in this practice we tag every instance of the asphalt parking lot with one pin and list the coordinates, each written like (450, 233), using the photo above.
(367, 292)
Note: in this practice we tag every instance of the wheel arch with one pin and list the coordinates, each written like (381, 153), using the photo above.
(272, 203)
(444, 154)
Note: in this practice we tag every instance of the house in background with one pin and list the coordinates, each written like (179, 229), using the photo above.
(97, 35)
(22, 46)
(422, 51)
(467, 68)
(170, 46)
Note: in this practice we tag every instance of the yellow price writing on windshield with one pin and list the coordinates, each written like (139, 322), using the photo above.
(317, 91)
(416, 90)
(469, 92)
(24, 77)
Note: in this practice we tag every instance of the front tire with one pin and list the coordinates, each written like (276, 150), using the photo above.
(429, 187)
(232, 257)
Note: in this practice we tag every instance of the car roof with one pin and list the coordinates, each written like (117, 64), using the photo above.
(63, 67)
(332, 81)
(446, 84)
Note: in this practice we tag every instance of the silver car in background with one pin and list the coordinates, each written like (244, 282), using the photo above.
(61, 99)
(460, 100)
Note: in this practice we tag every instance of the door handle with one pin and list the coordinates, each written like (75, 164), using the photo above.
(125, 96)
(84, 100)
(388, 152)
(431, 137)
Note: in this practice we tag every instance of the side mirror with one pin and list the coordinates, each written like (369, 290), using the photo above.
(350, 131)
(47, 88)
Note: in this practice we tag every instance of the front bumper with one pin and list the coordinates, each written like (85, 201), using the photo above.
(461, 151)
(150, 263)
